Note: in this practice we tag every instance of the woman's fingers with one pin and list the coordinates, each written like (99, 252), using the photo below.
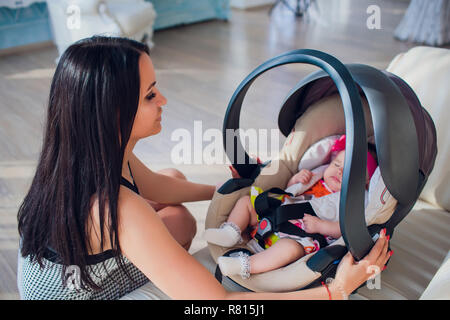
(379, 254)
(384, 255)
(351, 274)
(348, 259)
(234, 172)
(377, 249)
(258, 160)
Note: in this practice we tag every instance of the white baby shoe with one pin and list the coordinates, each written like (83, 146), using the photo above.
(235, 265)
(227, 235)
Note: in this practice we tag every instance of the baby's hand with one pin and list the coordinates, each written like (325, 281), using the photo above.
(311, 224)
(304, 176)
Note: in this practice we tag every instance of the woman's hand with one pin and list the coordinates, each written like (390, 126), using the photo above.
(350, 274)
(234, 173)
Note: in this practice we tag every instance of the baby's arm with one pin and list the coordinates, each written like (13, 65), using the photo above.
(316, 225)
(303, 176)
(331, 228)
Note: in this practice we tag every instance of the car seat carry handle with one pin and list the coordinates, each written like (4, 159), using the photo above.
(397, 146)
(351, 206)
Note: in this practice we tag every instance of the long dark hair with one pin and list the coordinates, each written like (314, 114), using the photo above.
(93, 100)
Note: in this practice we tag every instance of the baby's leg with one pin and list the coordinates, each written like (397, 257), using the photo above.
(281, 253)
(229, 233)
(243, 213)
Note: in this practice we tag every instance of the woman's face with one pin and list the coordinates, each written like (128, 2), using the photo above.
(148, 116)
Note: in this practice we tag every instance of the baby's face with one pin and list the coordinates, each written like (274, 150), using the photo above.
(333, 174)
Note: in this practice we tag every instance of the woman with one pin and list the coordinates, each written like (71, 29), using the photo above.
(82, 214)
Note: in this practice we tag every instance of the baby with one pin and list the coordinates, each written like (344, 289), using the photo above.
(283, 249)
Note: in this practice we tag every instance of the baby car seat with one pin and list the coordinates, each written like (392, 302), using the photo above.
(371, 104)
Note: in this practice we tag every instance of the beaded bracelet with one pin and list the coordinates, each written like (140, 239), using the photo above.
(328, 290)
(338, 285)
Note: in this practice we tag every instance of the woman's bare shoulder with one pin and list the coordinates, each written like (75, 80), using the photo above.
(129, 203)
(127, 200)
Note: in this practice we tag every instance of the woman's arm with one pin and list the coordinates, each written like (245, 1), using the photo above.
(167, 190)
(146, 242)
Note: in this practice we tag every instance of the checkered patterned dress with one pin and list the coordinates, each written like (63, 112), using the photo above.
(47, 283)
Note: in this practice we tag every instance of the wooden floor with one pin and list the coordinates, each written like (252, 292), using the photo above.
(198, 67)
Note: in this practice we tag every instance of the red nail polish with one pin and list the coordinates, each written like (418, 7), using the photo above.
(388, 237)
(384, 268)
(391, 253)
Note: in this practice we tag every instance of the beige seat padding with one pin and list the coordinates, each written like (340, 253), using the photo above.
(322, 119)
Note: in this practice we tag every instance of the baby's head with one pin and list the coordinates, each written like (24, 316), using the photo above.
(333, 173)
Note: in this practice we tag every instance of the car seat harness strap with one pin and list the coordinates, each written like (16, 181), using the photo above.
(273, 217)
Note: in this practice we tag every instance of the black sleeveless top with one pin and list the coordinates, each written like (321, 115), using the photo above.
(127, 183)
(53, 256)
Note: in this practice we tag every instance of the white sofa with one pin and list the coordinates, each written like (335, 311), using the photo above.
(72, 20)
(421, 241)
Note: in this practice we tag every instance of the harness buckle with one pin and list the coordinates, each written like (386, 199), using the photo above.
(264, 228)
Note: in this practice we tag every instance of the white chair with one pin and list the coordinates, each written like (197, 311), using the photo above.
(72, 20)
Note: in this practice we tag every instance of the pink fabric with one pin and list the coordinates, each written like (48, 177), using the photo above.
(339, 145)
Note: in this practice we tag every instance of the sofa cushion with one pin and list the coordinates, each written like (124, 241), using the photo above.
(426, 70)
(439, 287)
